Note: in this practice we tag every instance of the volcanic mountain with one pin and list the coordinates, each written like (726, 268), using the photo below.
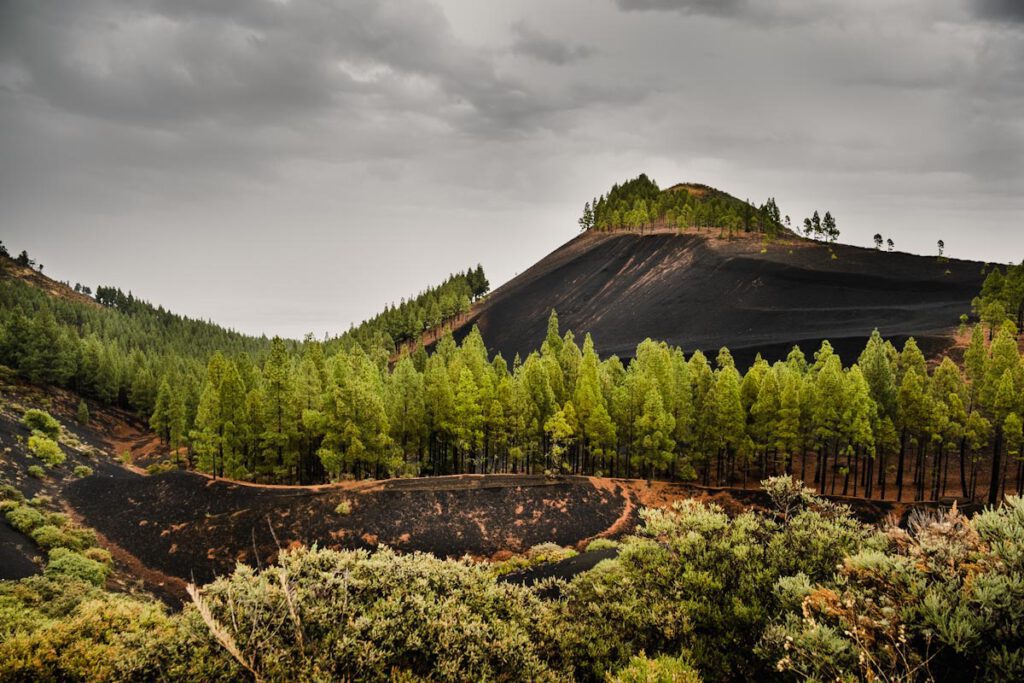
(698, 290)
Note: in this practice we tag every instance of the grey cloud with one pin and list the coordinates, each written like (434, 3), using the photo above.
(1001, 10)
(163, 63)
(532, 43)
(723, 8)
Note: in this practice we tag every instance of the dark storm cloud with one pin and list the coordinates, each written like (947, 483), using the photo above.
(532, 43)
(1003, 10)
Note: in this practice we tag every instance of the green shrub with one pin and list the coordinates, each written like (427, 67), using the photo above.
(25, 519)
(8, 505)
(942, 597)
(664, 669)
(602, 544)
(101, 555)
(102, 638)
(49, 536)
(8, 492)
(83, 471)
(548, 552)
(344, 508)
(386, 617)
(83, 412)
(159, 467)
(68, 563)
(46, 449)
(41, 421)
(56, 518)
(36, 471)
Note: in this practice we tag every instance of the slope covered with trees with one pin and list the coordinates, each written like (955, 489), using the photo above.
(640, 204)
(308, 412)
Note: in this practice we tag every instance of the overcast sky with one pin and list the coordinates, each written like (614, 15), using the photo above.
(285, 166)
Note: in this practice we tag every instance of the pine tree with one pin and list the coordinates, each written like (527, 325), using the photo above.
(83, 412)
(280, 412)
(653, 441)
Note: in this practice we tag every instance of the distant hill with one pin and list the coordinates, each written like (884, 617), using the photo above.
(697, 290)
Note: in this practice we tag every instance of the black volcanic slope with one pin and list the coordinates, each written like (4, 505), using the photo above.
(699, 292)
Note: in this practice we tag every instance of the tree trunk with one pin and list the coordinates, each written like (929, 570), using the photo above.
(993, 488)
(899, 466)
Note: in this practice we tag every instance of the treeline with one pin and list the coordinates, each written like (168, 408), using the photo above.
(123, 350)
(639, 203)
(1001, 298)
(116, 353)
(407, 321)
(308, 417)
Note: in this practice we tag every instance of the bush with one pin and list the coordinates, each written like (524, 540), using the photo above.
(938, 600)
(41, 421)
(83, 471)
(386, 617)
(601, 544)
(68, 563)
(83, 412)
(158, 467)
(549, 552)
(8, 492)
(101, 555)
(25, 519)
(661, 670)
(36, 472)
(46, 449)
(344, 508)
(49, 536)
(103, 638)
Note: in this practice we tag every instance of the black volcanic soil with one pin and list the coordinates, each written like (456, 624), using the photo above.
(186, 525)
(700, 292)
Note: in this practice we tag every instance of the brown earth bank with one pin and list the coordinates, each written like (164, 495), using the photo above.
(192, 527)
(696, 291)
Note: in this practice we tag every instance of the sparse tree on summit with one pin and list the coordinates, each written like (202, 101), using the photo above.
(890, 244)
(942, 247)
(828, 227)
(878, 240)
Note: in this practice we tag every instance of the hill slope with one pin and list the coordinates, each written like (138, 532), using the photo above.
(697, 291)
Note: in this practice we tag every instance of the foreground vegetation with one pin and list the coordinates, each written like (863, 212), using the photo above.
(801, 592)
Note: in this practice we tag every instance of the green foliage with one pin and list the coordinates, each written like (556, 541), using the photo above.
(46, 449)
(82, 471)
(83, 412)
(344, 508)
(41, 421)
(935, 600)
(25, 518)
(602, 544)
(1001, 298)
(65, 562)
(9, 492)
(639, 203)
(385, 616)
(663, 669)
